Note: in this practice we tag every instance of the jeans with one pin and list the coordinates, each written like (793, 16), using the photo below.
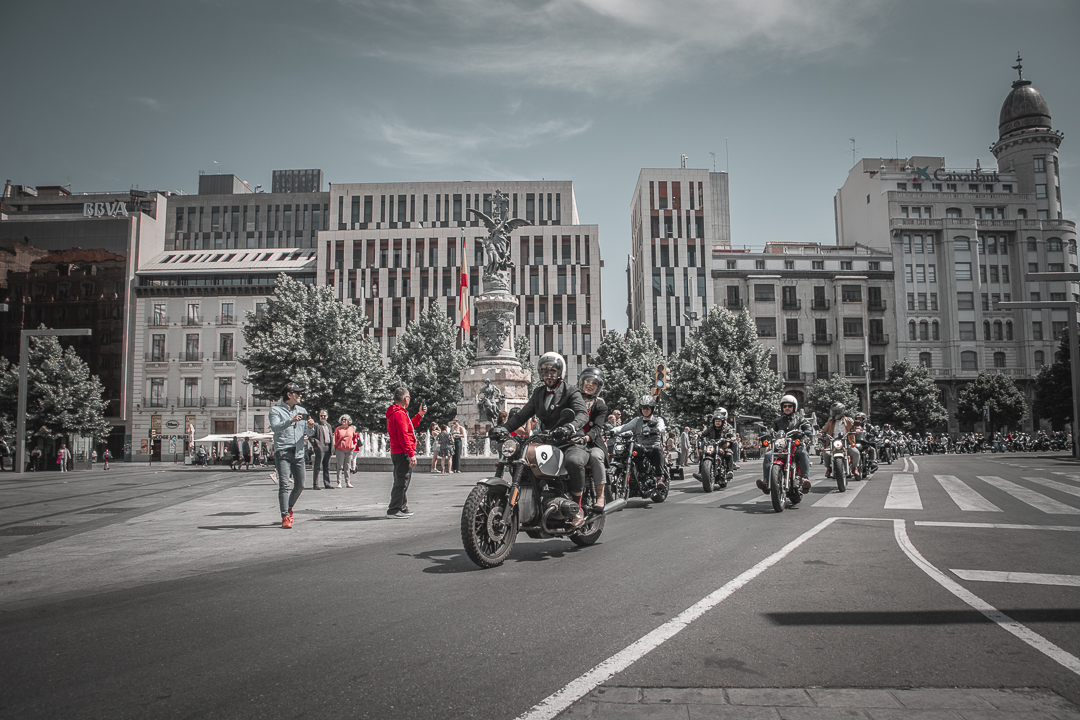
(399, 498)
(853, 453)
(344, 457)
(322, 462)
(802, 461)
(289, 463)
(455, 463)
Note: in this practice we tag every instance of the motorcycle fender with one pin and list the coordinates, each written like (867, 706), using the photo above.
(495, 482)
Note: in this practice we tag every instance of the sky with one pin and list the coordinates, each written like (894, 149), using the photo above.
(109, 95)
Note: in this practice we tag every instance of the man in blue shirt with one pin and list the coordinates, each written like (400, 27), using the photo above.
(290, 423)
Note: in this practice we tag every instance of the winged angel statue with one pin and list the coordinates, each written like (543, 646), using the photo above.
(497, 243)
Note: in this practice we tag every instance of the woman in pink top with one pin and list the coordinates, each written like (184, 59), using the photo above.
(344, 442)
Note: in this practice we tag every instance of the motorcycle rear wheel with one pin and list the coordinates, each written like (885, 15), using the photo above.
(482, 511)
(707, 475)
(776, 487)
(589, 533)
(838, 473)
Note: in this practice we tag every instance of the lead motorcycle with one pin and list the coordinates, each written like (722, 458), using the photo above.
(836, 458)
(716, 467)
(534, 499)
(783, 478)
(625, 480)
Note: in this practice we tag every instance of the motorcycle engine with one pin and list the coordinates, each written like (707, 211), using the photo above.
(565, 507)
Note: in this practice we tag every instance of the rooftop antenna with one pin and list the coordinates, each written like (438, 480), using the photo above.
(682, 161)
(713, 160)
(727, 158)
(854, 151)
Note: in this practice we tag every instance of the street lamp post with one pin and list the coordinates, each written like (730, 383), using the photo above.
(24, 364)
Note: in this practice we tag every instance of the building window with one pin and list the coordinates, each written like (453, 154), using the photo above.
(1040, 191)
(853, 327)
(1036, 330)
(911, 301)
(224, 392)
(157, 348)
(999, 359)
(1040, 358)
(969, 360)
(789, 264)
(764, 293)
(924, 330)
(1040, 163)
(965, 301)
(873, 266)
(853, 365)
(191, 392)
(967, 330)
(963, 271)
(911, 330)
(731, 265)
(909, 273)
(851, 293)
(759, 264)
(935, 329)
(157, 392)
(225, 353)
(1053, 245)
(766, 326)
(926, 360)
(817, 264)
(931, 273)
(845, 264)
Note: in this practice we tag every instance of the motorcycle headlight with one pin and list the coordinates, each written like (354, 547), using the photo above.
(508, 448)
(620, 448)
(709, 448)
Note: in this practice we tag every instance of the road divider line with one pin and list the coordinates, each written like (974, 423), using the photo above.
(1020, 578)
(1029, 496)
(576, 689)
(903, 493)
(1006, 623)
(964, 497)
(997, 526)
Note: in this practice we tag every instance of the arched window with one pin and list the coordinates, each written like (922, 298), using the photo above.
(969, 360)
(986, 329)
(1021, 214)
(961, 244)
(936, 327)
(999, 359)
(911, 330)
(1008, 331)
(1040, 358)
(924, 330)
(997, 330)
(1053, 245)
(926, 360)
(953, 213)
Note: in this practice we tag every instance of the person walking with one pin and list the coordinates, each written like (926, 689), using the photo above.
(63, 457)
(446, 449)
(684, 446)
(290, 424)
(344, 442)
(106, 457)
(434, 432)
(245, 454)
(35, 459)
(401, 429)
(458, 434)
(234, 453)
(322, 441)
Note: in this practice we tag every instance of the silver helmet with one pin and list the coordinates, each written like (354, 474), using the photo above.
(789, 399)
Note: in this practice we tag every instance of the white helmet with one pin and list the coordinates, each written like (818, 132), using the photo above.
(789, 399)
(720, 413)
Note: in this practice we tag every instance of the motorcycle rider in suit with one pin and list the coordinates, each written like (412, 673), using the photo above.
(547, 403)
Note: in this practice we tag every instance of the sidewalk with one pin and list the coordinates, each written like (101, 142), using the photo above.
(632, 703)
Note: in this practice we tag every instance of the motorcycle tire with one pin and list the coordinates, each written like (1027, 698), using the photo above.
(707, 475)
(776, 487)
(838, 473)
(589, 533)
(660, 494)
(478, 516)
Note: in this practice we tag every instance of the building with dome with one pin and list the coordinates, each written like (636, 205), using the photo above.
(962, 240)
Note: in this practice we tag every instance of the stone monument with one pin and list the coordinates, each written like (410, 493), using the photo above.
(495, 381)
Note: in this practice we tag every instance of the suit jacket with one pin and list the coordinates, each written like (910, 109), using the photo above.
(594, 428)
(548, 412)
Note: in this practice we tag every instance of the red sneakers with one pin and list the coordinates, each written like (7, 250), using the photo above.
(286, 522)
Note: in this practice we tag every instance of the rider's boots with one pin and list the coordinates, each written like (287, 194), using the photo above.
(805, 485)
(764, 485)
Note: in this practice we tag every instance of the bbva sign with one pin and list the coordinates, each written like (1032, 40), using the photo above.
(105, 209)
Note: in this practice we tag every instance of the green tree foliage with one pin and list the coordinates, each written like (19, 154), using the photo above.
(909, 401)
(722, 364)
(426, 361)
(309, 337)
(1053, 387)
(629, 364)
(62, 397)
(821, 394)
(523, 349)
(1007, 405)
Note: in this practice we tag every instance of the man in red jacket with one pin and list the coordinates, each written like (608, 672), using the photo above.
(402, 450)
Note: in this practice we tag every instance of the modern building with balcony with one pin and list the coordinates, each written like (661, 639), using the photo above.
(963, 240)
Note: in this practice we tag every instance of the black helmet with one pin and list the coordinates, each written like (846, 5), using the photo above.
(837, 411)
(860, 417)
(551, 359)
(646, 401)
(591, 373)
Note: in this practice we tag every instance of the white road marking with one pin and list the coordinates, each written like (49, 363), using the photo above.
(841, 499)
(1052, 651)
(997, 526)
(1060, 486)
(964, 497)
(1071, 476)
(558, 701)
(723, 494)
(914, 465)
(906, 467)
(1029, 496)
(1020, 578)
(903, 493)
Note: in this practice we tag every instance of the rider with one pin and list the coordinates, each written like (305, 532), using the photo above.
(720, 432)
(838, 416)
(547, 403)
(788, 420)
(871, 445)
(648, 430)
(591, 382)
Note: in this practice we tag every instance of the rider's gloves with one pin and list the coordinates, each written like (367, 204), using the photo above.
(562, 432)
(498, 433)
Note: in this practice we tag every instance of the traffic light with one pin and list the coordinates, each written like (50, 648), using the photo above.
(661, 377)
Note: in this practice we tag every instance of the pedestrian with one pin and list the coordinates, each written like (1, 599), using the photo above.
(93, 458)
(234, 453)
(63, 457)
(458, 434)
(684, 446)
(401, 430)
(344, 442)
(106, 456)
(245, 451)
(434, 432)
(322, 444)
(355, 451)
(4, 452)
(446, 449)
(290, 423)
(35, 459)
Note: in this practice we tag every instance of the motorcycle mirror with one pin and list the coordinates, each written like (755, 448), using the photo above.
(566, 415)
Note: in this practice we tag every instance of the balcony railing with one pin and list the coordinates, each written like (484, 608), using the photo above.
(791, 304)
(191, 357)
(822, 375)
(225, 320)
(820, 304)
(157, 321)
(877, 375)
(876, 304)
(225, 357)
(793, 376)
(766, 333)
(195, 401)
(156, 357)
(825, 339)
(226, 401)
(733, 303)
(793, 339)
(192, 320)
(879, 339)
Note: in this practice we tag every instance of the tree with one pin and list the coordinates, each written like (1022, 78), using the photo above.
(1053, 387)
(821, 394)
(426, 361)
(629, 364)
(62, 397)
(722, 364)
(1007, 405)
(309, 337)
(910, 400)
(523, 350)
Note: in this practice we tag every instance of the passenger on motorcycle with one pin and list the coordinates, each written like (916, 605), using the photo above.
(722, 433)
(591, 382)
(789, 419)
(547, 403)
(871, 450)
(648, 431)
(839, 425)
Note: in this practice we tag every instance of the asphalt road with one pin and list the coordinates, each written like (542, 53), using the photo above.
(166, 607)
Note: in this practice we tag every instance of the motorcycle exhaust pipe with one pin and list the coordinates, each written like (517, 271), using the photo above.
(614, 506)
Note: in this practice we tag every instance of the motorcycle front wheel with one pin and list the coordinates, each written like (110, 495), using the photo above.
(706, 473)
(838, 473)
(776, 487)
(487, 540)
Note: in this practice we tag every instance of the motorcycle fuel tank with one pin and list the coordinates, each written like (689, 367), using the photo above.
(545, 460)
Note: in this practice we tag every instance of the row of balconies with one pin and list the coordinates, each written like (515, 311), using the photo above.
(815, 304)
(188, 357)
(825, 338)
(191, 320)
(809, 377)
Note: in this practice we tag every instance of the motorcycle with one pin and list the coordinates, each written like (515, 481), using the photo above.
(534, 500)
(626, 480)
(888, 452)
(783, 480)
(836, 458)
(716, 467)
(866, 447)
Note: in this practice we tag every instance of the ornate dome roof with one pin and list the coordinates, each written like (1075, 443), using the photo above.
(1024, 108)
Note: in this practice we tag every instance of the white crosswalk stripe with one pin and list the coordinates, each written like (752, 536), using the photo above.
(903, 493)
(1054, 484)
(964, 497)
(837, 499)
(1029, 496)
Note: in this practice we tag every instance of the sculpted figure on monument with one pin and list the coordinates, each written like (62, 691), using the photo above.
(490, 401)
(497, 244)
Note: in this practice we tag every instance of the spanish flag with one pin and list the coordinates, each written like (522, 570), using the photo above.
(463, 288)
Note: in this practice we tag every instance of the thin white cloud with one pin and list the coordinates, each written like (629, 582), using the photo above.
(149, 103)
(604, 46)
